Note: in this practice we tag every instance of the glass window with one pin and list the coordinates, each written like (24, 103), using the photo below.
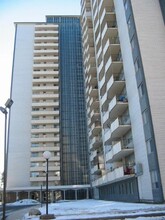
(34, 154)
(145, 117)
(34, 145)
(149, 146)
(137, 65)
(34, 174)
(141, 90)
(129, 22)
(126, 5)
(154, 179)
(133, 42)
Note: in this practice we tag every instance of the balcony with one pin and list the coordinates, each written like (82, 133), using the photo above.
(108, 15)
(101, 70)
(118, 152)
(46, 59)
(41, 149)
(93, 155)
(110, 49)
(46, 65)
(91, 69)
(113, 64)
(42, 179)
(97, 169)
(117, 107)
(95, 115)
(117, 129)
(46, 112)
(106, 4)
(41, 168)
(98, 40)
(38, 80)
(39, 45)
(115, 86)
(96, 128)
(105, 117)
(96, 26)
(104, 102)
(94, 104)
(51, 33)
(107, 136)
(109, 31)
(46, 39)
(93, 91)
(45, 121)
(48, 103)
(46, 26)
(94, 170)
(96, 142)
(45, 96)
(50, 73)
(46, 88)
(45, 139)
(99, 53)
(115, 175)
(120, 127)
(45, 130)
(53, 51)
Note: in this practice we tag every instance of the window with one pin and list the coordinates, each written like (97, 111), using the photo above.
(144, 115)
(34, 174)
(149, 146)
(137, 65)
(141, 90)
(34, 154)
(133, 42)
(34, 145)
(35, 126)
(126, 5)
(34, 164)
(129, 22)
(154, 179)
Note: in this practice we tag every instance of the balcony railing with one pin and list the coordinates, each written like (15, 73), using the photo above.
(117, 152)
(116, 174)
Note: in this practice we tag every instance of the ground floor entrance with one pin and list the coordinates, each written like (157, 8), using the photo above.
(54, 194)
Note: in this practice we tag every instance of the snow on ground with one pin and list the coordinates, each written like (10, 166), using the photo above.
(81, 209)
(23, 202)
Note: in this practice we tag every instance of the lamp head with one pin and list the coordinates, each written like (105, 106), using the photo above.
(3, 110)
(47, 155)
(9, 103)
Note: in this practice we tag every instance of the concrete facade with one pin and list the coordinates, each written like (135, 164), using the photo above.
(124, 49)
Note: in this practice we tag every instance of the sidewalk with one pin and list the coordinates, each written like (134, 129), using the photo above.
(19, 214)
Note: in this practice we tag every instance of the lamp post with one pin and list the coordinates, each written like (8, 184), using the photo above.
(47, 156)
(8, 105)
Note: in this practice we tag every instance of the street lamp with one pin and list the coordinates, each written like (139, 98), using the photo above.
(8, 105)
(47, 156)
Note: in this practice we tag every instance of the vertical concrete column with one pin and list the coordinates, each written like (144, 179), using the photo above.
(28, 194)
(64, 194)
(87, 193)
(76, 194)
(52, 196)
(17, 196)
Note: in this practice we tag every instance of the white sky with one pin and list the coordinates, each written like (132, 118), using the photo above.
(22, 11)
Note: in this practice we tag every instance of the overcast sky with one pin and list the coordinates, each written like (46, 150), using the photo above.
(22, 11)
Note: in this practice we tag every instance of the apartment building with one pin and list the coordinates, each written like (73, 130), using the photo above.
(124, 68)
(48, 112)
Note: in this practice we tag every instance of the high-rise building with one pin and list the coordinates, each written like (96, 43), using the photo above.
(49, 111)
(124, 54)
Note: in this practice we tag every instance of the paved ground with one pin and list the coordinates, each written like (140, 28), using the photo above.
(19, 214)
